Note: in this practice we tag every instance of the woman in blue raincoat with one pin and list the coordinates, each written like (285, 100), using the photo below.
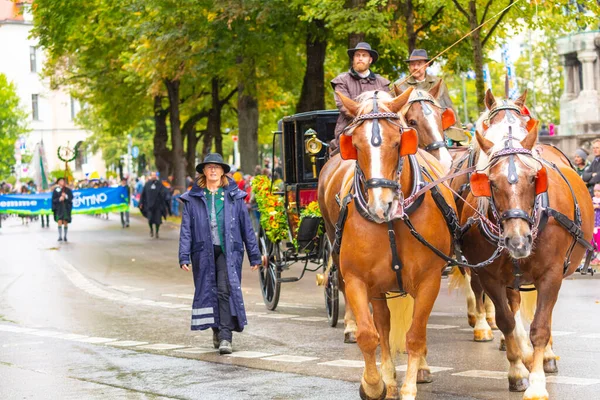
(215, 226)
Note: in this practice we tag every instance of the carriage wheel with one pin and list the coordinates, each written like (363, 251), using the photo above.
(332, 297)
(269, 273)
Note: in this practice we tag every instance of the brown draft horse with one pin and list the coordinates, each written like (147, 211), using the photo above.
(423, 113)
(384, 178)
(511, 187)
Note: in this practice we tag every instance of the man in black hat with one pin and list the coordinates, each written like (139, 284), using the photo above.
(153, 203)
(420, 79)
(357, 80)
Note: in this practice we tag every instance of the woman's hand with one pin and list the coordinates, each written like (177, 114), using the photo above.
(255, 267)
(185, 267)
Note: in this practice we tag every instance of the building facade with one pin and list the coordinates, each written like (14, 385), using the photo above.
(580, 102)
(51, 112)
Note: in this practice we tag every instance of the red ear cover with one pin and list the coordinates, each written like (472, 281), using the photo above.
(480, 185)
(541, 181)
(347, 149)
(409, 142)
(448, 118)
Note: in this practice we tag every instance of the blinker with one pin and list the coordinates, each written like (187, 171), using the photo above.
(448, 118)
(480, 185)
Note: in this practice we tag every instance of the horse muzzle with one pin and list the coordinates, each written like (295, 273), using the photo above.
(519, 246)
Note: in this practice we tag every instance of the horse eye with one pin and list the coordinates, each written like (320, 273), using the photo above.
(532, 179)
(412, 122)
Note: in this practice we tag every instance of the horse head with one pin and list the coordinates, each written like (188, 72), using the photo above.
(424, 113)
(509, 174)
(377, 139)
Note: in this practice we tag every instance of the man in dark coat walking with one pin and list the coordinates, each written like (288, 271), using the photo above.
(353, 83)
(153, 203)
(62, 205)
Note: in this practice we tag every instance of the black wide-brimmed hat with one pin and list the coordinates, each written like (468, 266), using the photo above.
(366, 47)
(418, 55)
(213, 158)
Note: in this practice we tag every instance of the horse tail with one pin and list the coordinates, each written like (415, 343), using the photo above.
(528, 305)
(401, 315)
(456, 280)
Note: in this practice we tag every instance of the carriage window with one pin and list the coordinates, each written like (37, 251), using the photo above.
(289, 152)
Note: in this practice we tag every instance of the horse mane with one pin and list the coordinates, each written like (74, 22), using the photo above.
(365, 101)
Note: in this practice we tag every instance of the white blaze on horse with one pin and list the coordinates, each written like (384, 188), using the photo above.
(374, 188)
(534, 207)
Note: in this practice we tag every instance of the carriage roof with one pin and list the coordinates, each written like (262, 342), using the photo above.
(296, 162)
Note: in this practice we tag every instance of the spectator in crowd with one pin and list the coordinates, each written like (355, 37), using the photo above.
(62, 204)
(125, 214)
(591, 174)
(544, 130)
(154, 203)
(580, 160)
(175, 203)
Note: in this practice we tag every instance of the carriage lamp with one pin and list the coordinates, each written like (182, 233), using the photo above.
(320, 279)
(313, 147)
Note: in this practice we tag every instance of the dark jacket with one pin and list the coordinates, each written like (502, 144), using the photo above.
(351, 85)
(153, 202)
(587, 177)
(195, 247)
(62, 209)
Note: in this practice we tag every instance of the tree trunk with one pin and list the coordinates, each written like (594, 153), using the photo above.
(213, 128)
(477, 55)
(313, 87)
(248, 117)
(189, 131)
(162, 155)
(355, 37)
(179, 160)
(409, 18)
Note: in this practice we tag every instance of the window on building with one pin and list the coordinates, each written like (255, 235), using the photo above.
(33, 59)
(35, 112)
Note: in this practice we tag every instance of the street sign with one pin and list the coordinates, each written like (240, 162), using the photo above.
(135, 151)
(234, 138)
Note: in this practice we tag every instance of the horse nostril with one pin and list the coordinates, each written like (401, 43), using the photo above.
(506, 241)
(529, 238)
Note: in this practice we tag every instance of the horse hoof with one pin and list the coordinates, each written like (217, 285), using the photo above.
(492, 322)
(424, 376)
(364, 396)
(502, 346)
(392, 393)
(550, 366)
(472, 320)
(483, 335)
(349, 337)
(518, 384)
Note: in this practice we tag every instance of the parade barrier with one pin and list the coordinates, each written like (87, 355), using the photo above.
(85, 201)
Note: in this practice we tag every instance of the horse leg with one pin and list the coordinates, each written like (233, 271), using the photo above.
(490, 312)
(482, 331)
(349, 318)
(416, 339)
(550, 366)
(372, 386)
(517, 373)
(514, 301)
(471, 302)
(381, 315)
(548, 287)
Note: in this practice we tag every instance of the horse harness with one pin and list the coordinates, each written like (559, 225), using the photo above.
(427, 101)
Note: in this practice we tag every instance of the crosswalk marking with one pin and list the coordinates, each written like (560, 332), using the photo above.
(277, 316)
(46, 333)
(16, 329)
(20, 344)
(248, 354)
(572, 381)
(128, 289)
(310, 319)
(196, 350)
(126, 343)
(293, 359)
(560, 333)
(292, 305)
(254, 313)
(96, 340)
(344, 363)
(475, 373)
(432, 369)
(161, 346)
(180, 296)
(440, 327)
(591, 336)
(70, 336)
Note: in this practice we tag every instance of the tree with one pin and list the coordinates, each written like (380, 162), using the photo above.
(13, 123)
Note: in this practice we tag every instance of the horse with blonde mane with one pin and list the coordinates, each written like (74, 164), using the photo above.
(366, 191)
(528, 202)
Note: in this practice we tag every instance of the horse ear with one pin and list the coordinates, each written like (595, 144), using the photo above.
(484, 144)
(520, 102)
(397, 90)
(435, 90)
(396, 104)
(530, 139)
(490, 100)
(350, 105)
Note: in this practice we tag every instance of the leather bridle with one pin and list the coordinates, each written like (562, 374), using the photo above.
(427, 101)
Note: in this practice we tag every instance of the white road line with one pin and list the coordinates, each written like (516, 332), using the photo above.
(16, 329)
(179, 296)
(161, 346)
(475, 373)
(344, 363)
(560, 333)
(196, 350)
(292, 359)
(96, 340)
(291, 305)
(45, 333)
(254, 313)
(432, 369)
(591, 336)
(445, 314)
(440, 327)
(248, 354)
(126, 343)
(565, 380)
(278, 316)
(20, 344)
(70, 336)
(311, 319)
(128, 289)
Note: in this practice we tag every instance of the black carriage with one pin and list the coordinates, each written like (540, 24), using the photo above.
(301, 141)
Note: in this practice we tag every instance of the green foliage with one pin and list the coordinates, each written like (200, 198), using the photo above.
(13, 123)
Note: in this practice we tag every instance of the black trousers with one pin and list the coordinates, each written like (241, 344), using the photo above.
(225, 318)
